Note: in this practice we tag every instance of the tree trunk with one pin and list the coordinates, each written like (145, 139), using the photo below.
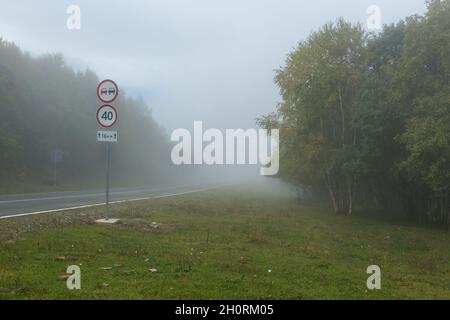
(350, 195)
(331, 192)
(341, 107)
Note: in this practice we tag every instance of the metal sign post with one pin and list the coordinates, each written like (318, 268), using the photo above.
(107, 116)
(54, 171)
(56, 156)
(108, 165)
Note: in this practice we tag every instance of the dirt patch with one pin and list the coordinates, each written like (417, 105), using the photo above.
(132, 215)
(13, 228)
(150, 226)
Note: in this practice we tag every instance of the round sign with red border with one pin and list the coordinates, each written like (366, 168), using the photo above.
(107, 116)
(107, 91)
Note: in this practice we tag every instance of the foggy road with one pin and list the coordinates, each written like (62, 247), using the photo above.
(37, 203)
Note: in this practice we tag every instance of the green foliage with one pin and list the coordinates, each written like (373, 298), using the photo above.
(318, 87)
(427, 135)
(366, 116)
(46, 105)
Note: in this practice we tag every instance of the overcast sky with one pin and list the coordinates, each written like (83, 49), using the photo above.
(210, 60)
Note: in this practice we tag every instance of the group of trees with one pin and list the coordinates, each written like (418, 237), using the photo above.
(45, 106)
(365, 118)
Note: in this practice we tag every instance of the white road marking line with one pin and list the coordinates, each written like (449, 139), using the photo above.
(81, 195)
(52, 198)
(103, 203)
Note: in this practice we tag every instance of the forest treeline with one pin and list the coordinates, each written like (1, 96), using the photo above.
(48, 109)
(365, 118)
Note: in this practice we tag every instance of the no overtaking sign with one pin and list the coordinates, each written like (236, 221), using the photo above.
(107, 91)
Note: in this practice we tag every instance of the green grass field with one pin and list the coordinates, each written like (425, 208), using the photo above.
(227, 243)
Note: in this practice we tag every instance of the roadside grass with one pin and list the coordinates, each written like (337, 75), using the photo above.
(230, 243)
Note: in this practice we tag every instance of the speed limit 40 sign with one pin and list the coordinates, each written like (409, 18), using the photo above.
(107, 116)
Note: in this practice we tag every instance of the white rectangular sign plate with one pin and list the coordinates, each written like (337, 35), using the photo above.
(107, 136)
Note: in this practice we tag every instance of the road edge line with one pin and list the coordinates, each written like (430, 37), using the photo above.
(103, 203)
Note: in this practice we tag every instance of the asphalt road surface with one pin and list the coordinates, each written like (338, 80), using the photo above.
(36, 203)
